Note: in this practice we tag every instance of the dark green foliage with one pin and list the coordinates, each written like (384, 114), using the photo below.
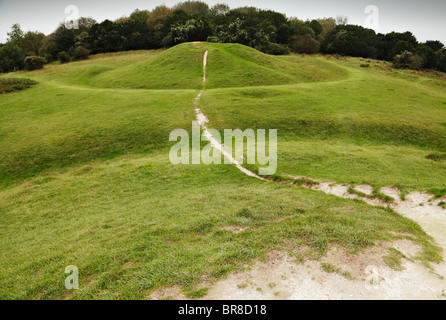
(11, 57)
(402, 46)
(441, 60)
(34, 63)
(427, 54)
(192, 30)
(274, 48)
(64, 57)
(353, 41)
(316, 26)
(80, 53)
(304, 44)
(407, 60)
(434, 45)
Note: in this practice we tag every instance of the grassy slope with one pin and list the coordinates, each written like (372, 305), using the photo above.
(86, 179)
(138, 223)
(377, 126)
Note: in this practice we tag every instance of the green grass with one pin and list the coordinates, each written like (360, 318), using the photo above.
(85, 177)
(394, 259)
(375, 126)
(233, 65)
(376, 194)
(330, 268)
(135, 224)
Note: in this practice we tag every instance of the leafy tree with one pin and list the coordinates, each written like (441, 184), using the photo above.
(106, 37)
(304, 44)
(401, 46)
(351, 40)
(32, 42)
(387, 44)
(194, 8)
(301, 28)
(441, 60)
(192, 30)
(428, 56)
(316, 26)
(11, 57)
(48, 48)
(16, 34)
(139, 16)
(157, 17)
(434, 45)
(85, 23)
(64, 38)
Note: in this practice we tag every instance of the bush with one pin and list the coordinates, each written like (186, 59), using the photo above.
(64, 57)
(441, 60)
(48, 57)
(407, 60)
(34, 63)
(304, 44)
(80, 53)
(213, 39)
(274, 48)
(11, 58)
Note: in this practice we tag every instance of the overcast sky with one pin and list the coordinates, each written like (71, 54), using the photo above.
(426, 19)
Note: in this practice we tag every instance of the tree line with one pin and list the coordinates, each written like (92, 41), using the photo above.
(266, 30)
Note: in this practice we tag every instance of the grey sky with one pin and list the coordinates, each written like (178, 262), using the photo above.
(424, 18)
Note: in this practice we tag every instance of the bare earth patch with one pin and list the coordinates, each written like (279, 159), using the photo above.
(362, 276)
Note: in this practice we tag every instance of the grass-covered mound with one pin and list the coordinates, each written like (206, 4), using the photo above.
(382, 127)
(230, 65)
(180, 67)
(235, 65)
(8, 85)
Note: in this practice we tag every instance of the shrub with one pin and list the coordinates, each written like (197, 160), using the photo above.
(304, 44)
(34, 63)
(274, 48)
(407, 60)
(64, 57)
(11, 58)
(80, 53)
(213, 39)
(48, 57)
(441, 60)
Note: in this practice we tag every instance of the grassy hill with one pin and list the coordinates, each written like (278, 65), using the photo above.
(85, 177)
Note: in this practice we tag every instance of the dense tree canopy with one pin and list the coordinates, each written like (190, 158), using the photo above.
(265, 30)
